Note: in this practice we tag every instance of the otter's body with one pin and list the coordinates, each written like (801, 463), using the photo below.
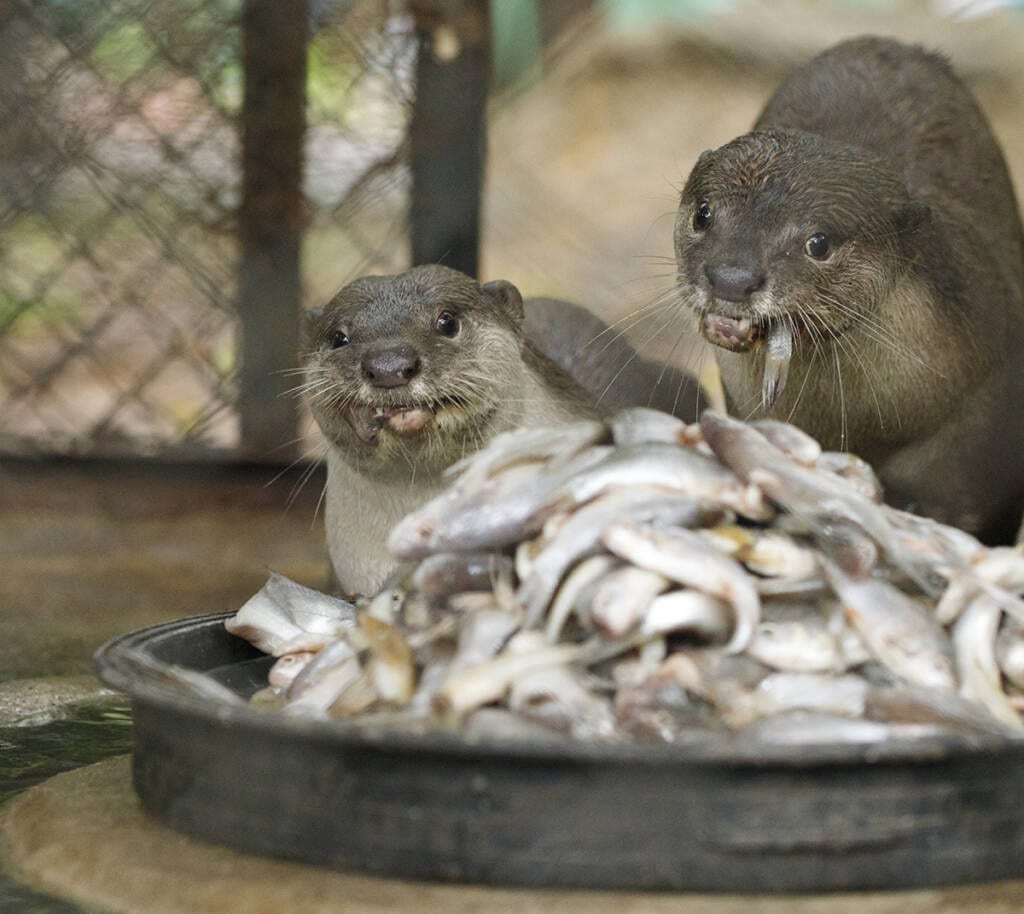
(869, 224)
(407, 374)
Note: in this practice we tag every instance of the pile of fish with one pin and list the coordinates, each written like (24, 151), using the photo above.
(644, 579)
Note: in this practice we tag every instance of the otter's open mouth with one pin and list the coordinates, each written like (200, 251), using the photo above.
(405, 419)
(734, 334)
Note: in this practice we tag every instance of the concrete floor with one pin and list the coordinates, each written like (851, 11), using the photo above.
(90, 551)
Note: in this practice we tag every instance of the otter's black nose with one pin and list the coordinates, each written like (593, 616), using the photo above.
(391, 367)
(734, 282)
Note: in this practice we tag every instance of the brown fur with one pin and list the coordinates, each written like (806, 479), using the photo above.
(906, 336)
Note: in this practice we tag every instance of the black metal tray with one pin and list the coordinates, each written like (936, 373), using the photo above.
(439, 806)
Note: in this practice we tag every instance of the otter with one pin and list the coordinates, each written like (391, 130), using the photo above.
(857, 260)
(407, 374)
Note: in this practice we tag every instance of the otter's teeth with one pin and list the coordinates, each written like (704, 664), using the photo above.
(378, 412)
(743, 325)
(777, 354)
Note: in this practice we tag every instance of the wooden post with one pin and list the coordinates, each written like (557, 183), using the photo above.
(274, 38)
(448, 133)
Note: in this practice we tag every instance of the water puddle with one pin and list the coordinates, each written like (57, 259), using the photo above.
(87, 733)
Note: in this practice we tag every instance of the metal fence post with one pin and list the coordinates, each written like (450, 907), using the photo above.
(274, 39)
(448, 133)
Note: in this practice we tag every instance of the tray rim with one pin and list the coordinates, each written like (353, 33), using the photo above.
(114, 669)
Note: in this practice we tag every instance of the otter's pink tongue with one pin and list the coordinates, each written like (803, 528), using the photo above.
(729, 333)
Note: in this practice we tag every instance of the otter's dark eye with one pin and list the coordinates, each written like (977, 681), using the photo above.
(702, 216)
(817, 246)
(339, 339)
(447, 324)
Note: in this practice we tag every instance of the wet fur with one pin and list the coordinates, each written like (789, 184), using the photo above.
(908, 336)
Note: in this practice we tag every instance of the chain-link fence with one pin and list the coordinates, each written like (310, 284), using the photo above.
(121, 204)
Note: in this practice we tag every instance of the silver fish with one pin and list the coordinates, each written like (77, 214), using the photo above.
(478, 685)
(857, 472)
(767, 552)
(778, 351)
(1010, 651)
(920, 705)
(503, 511)
(641, 425)
(667, 467)
(282, 674)
(813, 728)
(797, 639)
(447, 573)
(779, 692)
(559, 697)
(572, 587)
(620, 598)
(898, 630)
(817, 497)
(192, 682)
(525, 445)
(686, 557)
(320, 683)
(792, 441)
(998, 571)
(580, 536)
(974, 640)
(284, 617)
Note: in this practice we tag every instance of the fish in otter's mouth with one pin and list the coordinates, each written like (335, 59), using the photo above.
(742, 334)
(367, 420)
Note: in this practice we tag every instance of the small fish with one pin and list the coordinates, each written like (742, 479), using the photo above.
(998, 571)
(686, 557)
(503, 511)
(819, 498)
(793, 442)
(974, 641)
(575, 583)
(282, 674)
(797, 639)
(778, 351)
(667, 467)
(1010, 651)
(559, 697)
(192, 682)
(770, 553)
(780, 692)
(484, 683)
(526, 445)
(322, 681)
(898, 630)
(579, 536)
(640, 425)
(620, 599)
(814, 728)
(920, 705)
(284, 617)
(390, 668)
(857, 472)
(447, 573)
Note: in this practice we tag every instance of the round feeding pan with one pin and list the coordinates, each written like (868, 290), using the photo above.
(708, 817)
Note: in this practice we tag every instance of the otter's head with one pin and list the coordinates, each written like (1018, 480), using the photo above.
(784, 226)
(407, 371)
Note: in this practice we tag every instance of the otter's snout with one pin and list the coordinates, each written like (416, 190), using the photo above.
(392, 366)
(734, 282)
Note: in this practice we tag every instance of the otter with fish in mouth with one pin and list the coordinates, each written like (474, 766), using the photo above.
(857, 260)
(407, 374)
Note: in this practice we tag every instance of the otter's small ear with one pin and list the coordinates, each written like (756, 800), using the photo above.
(507, 297)
(913, 216)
